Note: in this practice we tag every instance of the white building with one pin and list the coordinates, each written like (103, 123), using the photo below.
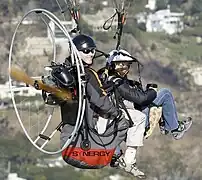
(19, 90)
(151, 5)
(11, 176)
(141, 17)
(14, 176)
(105, 3)
(165, 21)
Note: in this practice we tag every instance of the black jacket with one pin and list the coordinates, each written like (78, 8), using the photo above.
(98, 103)
(132, 92)
(97, 97)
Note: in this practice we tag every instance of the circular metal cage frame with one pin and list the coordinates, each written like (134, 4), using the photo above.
(76, 60)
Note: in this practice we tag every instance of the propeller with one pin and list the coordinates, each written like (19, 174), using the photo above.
(19, 75)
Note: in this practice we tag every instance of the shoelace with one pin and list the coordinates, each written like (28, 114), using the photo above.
(181, 126)
(139, 172)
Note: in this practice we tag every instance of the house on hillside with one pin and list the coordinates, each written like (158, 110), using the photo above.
(162, 21)
(19, 90)
(165, 21)
(14, 176)
(6, 171)
(151, 5)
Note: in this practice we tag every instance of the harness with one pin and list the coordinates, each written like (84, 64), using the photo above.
(86, 127)
(118, 99)
(155, 112)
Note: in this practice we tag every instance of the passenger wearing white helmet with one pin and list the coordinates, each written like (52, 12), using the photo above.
(171, 124)
(119, 64)
(126, 94)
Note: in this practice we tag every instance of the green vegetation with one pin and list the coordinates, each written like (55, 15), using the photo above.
(161, 156)
(181, 46)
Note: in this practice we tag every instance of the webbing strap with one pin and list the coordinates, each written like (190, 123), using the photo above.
(120, 101)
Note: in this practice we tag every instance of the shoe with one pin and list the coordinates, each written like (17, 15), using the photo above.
(115, 159)
(131, 168)
(114, 162)
(162, 127)
(163, 130)
(183, 127)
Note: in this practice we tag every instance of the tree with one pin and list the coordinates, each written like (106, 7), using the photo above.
(161, 4)
(196, 7)
(10, 8)
(18, 151)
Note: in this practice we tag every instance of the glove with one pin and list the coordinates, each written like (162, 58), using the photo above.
(134, 83)
(155, 86)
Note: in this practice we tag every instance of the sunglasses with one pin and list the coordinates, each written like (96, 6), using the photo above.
(116, 53)
(124, 63)
(87, 51)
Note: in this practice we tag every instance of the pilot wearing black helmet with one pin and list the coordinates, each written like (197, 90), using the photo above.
(102, 146)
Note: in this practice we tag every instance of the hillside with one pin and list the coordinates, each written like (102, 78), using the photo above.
(167, 61)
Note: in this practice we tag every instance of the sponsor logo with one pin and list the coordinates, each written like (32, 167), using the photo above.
(90, 153)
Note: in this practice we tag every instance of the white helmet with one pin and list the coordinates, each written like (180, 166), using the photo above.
(119, 56)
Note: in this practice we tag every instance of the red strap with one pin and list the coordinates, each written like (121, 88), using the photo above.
(75, 92)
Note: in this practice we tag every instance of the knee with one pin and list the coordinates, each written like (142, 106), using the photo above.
(142, 118)
(165, 91)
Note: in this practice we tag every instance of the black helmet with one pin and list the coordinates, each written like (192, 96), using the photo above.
(83, 42)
